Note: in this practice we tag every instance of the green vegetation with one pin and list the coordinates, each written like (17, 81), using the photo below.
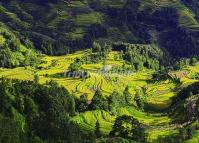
(70, 25)
(49, 107)
(101, 99)
(99, 71)
(13, 53)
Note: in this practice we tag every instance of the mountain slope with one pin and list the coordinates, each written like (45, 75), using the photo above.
(57, 27)
(13, 52)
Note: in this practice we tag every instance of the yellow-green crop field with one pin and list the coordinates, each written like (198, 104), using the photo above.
(51, 66)
(157, 95)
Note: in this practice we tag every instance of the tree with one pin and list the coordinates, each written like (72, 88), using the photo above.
(97, 129)
(36, 79)
(5, 96)
(193, 61)
(19, 103)
(99, 102)
(138, 101)
(75, 66)
(189, 132)
(129, 128)
(96, 47)
(127, 95)
(30, 109)
(82, 103)
(183, 134)
(116, 101)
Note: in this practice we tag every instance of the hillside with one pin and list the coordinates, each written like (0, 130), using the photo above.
(99, 71)
(159, 111)
(57, 27)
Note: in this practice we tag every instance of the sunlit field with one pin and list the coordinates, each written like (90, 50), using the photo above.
(157, 97)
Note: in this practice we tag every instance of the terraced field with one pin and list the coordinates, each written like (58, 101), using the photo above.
(53, 68)
(157, 96)
(57, 27)
(156, 122)
(186, 17)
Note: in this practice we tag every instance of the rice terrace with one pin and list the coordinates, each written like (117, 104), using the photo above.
(99, 71)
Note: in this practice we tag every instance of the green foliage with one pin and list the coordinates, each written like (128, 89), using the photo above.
(100, 51)
(76, 65)
(45, 108)
(82, 103)
(141, 56)
(128, 96)
(71, 25)
(11, 130)
(116, 101)
(165, 30)
(8, 39)
(183, 63)
(36, 79)
(129, 128)
(138, 101)
(99, 102)
(192, 89)
(13, 53)
(161, 75)
(116, 140)
(97, 130)
(96, 47)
